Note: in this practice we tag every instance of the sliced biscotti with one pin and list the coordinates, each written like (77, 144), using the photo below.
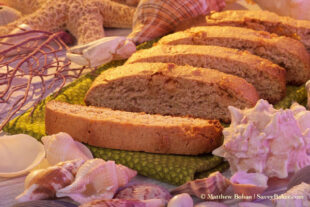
(267, 77)
(284, 51)
(104, 127)
(258, 20)
(169, 89)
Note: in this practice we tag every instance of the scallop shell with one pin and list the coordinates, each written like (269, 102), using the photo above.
(210, 204)
(8, 14)
(181, 200)
(155, 18)
(143, 191)
(249, 184)
(19, 154)
(43, 183)
(61, 147)
(96, 179)
(125, 203)
(215, 184)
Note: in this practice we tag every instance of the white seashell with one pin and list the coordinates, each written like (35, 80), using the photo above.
(96, 179)
(43, 183)
(210, 204)
(125, 203)
(251, 204)
(248, 184)
(181, 200)
(8, 14)
(215, 184)
(19, 154)
(61, 147)
(124, 174)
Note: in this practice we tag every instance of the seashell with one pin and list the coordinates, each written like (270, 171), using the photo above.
(299, 195)
(210, 204)
(251, 204)
(61, 147)
(181, 200)
(19, 154)
(125, 203)
(43, 183)
(155, 18)
(96, 179)
(143, 192)
(248, 184)
(8, 14)
(301, 176)
(124, 175)
(215, 184)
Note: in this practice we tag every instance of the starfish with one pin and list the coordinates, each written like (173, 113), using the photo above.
(84, 19)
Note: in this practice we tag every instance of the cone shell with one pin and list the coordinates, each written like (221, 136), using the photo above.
(215, 184)
(96, 179)
(43, 183)
(8, 14)
(61, 147)
(19, 154)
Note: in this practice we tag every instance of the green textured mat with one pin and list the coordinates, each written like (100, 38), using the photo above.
(172, 169)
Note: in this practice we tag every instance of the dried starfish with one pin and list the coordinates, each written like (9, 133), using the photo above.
(83, 18)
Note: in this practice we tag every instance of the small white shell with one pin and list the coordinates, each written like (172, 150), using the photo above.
(8, 14)
(19, 154)
(96, 179)
(210, 204)
(61, 147)
(181, 200)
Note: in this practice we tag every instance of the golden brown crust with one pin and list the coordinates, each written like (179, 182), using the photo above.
(107, 128)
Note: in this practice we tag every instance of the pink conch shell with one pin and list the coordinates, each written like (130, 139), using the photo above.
(143, 192)
(19, 154)
(43, 183)
(298, 196)
(125, 203)
(181, 200)
(215, 184)
(155, 18)
(249, 184)
(61, 147)
(96, 179)
(210, 204)
(251, 204)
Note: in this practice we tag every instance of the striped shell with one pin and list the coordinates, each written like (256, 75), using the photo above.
(155, 18)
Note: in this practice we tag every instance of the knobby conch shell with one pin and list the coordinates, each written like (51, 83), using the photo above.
(143, 192)
(97, 179)
(125, 203)
(61, 147)
(43, 183)
(181, 200)
(19, 154)
(8, 14)
(215, 184)
(155, 18)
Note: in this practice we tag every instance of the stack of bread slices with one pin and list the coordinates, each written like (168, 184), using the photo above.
(170, 98)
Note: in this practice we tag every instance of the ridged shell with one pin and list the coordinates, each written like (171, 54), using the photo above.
(155, 18)
(96, 179)
(181, 200)
(215, 184)
(43, 183)
(19, 154)
(8, 14)
(61, 147)
(143, 192)
(125, 203)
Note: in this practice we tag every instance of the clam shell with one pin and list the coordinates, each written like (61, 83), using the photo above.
(181, 200)
(8, 14)
(61, 147)
(19, 154)
(215, 184)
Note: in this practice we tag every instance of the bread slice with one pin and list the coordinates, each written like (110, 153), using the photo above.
(284, 51)
(266, 77)
(104, 127)
(259, 20)
(168, 89)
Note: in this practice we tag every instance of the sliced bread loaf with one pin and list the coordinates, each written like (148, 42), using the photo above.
(267, 77)
(168, 89)
(284, 51)
(113, 129)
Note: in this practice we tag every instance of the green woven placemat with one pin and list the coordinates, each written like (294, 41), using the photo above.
(172, 169)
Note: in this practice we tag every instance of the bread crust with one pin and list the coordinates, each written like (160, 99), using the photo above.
(103, 127)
